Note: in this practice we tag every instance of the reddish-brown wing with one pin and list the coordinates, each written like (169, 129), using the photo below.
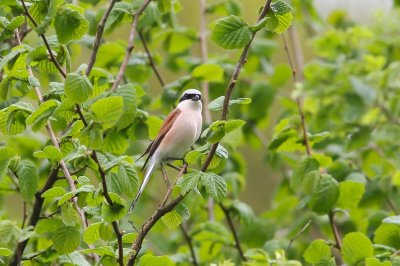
(165, 127)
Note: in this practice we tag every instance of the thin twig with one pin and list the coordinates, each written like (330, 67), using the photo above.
(335, 230)
(99, 35)
(297, 235)
(298, 99)
(24, 215)
(161, 211)
(233, 230)
(151, 60)
(130, 46)
(190, 244)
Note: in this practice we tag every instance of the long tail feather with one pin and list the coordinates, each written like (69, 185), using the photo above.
(143, 185)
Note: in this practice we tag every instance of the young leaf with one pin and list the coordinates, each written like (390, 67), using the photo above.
(175, 217)
(5, 252)
(325, 194)
(351, 193)
(27, 179)
(151, 260)
(108, 110)
(49, 152)
(281, 7)
(92, 233)
(217, 104)
(66, 239)
(69, 215)
(115, 212)
(231, 32)
(388, 233)
(188, 182)
(356, 247)
(317, 251)
(77, 88)
(70, 24)
(53, 193)
(215, 185)
(40, 116)
(5, 156)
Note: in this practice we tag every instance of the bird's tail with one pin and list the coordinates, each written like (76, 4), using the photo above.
(143, 185)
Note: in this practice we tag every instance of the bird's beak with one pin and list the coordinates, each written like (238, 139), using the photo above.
(196, 97)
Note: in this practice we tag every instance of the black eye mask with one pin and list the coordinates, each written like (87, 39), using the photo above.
(190, 96)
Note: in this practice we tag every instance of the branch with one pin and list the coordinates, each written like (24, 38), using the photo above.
(335, 230)
(233, 230)
(297, 235)
(52, 57)
(36, 210)
(151, 61)
(190, 244)
(99, 35)
(130, 47)
(161, 211)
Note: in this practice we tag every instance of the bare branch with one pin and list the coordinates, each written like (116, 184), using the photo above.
(233, 230)
(190, 244)
(151, 61)
(130, 47)
(99, 35)
(297, 235)
(335, 230)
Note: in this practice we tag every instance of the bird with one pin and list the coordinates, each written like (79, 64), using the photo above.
(179, 131)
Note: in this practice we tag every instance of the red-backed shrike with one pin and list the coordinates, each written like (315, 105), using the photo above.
(180, 130)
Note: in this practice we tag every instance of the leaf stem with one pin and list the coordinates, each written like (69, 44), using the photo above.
(151, 61)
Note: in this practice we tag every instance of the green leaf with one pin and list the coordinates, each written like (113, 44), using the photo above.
(5, 252)
(215, 185)
(102, 251)
(53, 193)
(151, 260)
(116, 211)
(27, 179)
(376, 262)
(209, 72)
(69, 215)
(66, 239)
(317, 251)
(351, 193)
(41, 115)
(188, 182)
(108, 110)
(175, 217)
(388, 233)
(77, 88)
(128, 93)
(356, 247)
(217, 104)
(325, 194)
(92, 233)
(49, 152)
(164, 6)
(281, 7)
(70, 24)
(364, 91)
(279, 23)
(6, 154)
(231, 32)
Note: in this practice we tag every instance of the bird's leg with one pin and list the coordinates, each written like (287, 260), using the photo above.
(164, 174)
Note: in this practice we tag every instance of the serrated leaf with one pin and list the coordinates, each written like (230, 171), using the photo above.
(325, 194)
(108, 110)
(231, 32)
(115, 212)
(69, 215)
(49, 152)
(388, 232)
(281, 7)
(70, 25)
(356, 247)
(217, 104)
(128, 93)
(351, 193)
(175, 217)
(77, 88)
(41, 115)
(376, 262)
(102, 251)
(53, 193)
(66, 239)
(317, 251)
(27, 179)
(215, 185)
(6, 154)
(279, 23)
(92, 233)
(188, 182)
(209, 72)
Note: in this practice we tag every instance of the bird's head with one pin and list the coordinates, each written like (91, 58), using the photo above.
(190, 94)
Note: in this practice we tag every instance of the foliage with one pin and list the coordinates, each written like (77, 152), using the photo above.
(72, 130)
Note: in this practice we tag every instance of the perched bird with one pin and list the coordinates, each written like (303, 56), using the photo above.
(180, 130)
